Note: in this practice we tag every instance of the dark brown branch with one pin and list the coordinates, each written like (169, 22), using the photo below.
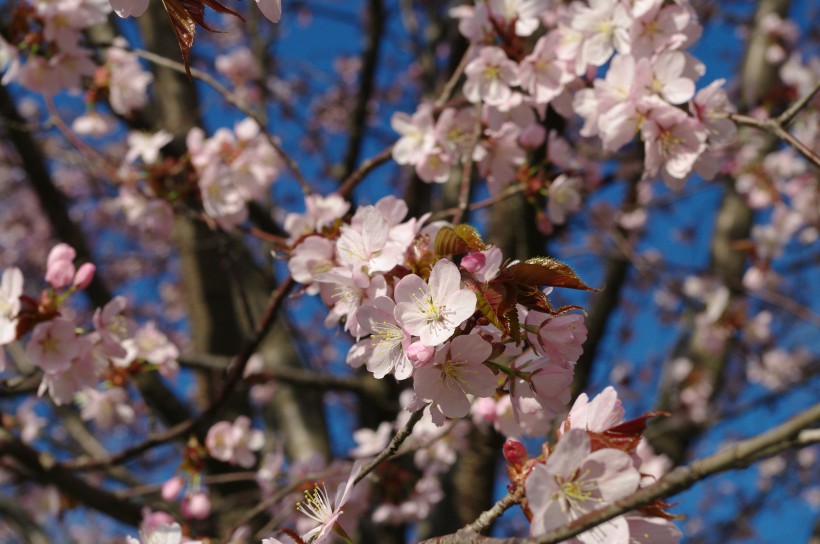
(370, 61)
(364, 169)
(39, 468)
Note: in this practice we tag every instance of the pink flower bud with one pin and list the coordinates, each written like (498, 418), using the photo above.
(419, 353)
(515, 453)
(196, 505)
(152, 520)
(172, 488)
(84, 276)
(60, 266)
(473, 262)
(60, 252)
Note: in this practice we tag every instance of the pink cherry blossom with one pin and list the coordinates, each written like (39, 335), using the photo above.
(524, 13)
(146, 146)
(604, 25)
(320, 211)
(85, 275)
(317, 506)
(314, 256)
(474, 21)
(128, 81)
(113, 328)
(484, 265)
(456, 370)
(542, 74)
(11, 287)
(369, 442)
(575, 481)
(53, 345)
(547, 388)
(597, 415)
(564, 197)
(668, 77)
(710, 106)
(71, 375)
(672, 142)
(196, 505)
(106, 408)
(657, 26)
(558, 337)
(433, 310)
(416, 135)
(490, 76)
(500, 157)
(362, 245)
(172, 488)
(384, 352)
(235, 442)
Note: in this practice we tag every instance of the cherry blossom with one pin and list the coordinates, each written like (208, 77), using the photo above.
(11, 287)
(575, 481)
(234, 442)
(490, 77)
(146, 146)
(432, 310)
(318, 507)
(385, 351)
(456, 370)
(597, 415)
(558, 337)
(542, 74)
(53, 345)
(416, 135)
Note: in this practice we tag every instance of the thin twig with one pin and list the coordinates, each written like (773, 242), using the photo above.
(488, 517)
(362, 171)
(796, 432)
(450, 86)
(774, 127)
(392, 447)
(236, 102)
(467, 172)
(785, 118)
(235, 373)
(510, 191)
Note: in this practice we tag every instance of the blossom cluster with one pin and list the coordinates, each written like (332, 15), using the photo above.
(620, 66)
(233, 167)
(428, 302)
(598, 459)
(74, 360)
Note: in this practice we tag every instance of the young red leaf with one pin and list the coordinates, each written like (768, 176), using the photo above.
(449, 243)
(185, 15)
(546, 271)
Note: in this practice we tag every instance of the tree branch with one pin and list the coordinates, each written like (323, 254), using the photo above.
(794, 433)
